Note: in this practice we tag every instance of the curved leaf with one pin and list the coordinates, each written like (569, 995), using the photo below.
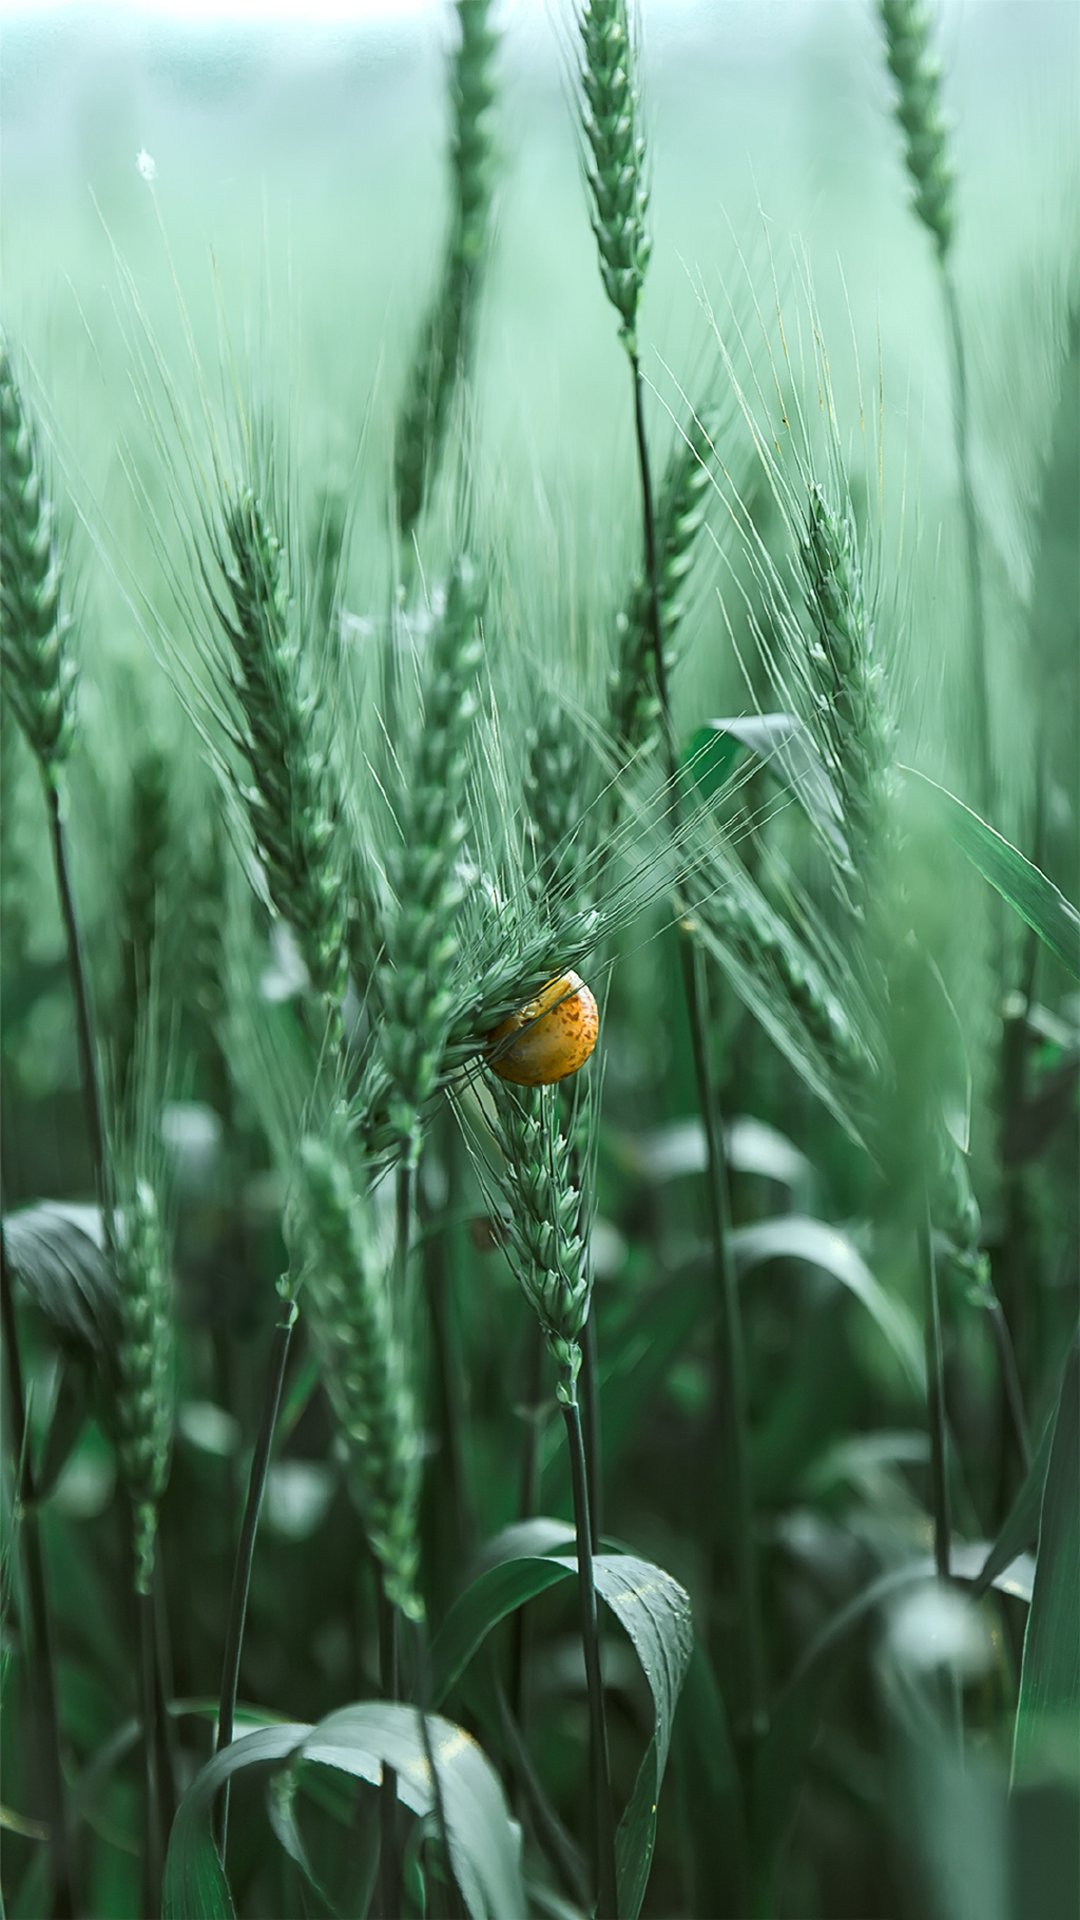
(360, 1740)
(1027, 890)
(792, 1237)
(195, 1887)
(55, 1251)
(655, 1612)
(485, 1845)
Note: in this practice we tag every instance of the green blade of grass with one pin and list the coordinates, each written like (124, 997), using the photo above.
(1020, 1529)
(1048, 1715)
(1023, 886)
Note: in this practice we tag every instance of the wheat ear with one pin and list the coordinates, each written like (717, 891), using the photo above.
(422, 939)
(917, 72)
(846, 709)
(446, 343)
(347, 1302)
(142, 1411)
(615, 160)
(635, 720)
(291, 802)
(39, 671)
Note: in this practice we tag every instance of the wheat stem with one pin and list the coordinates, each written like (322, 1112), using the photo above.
(985, 795)
(731, 1361)
(607, 1906)
(390, 1689)
(935, 1396)
(84, 1027)
(245, 1548)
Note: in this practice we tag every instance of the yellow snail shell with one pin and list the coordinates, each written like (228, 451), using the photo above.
(549, 1038)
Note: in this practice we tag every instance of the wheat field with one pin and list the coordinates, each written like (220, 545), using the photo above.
(540, 802)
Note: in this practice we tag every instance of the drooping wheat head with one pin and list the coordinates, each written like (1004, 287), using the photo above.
(346, 1300)
(38, 667)
(610, 111)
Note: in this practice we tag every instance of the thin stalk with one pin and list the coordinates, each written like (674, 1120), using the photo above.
(562, 1851)
(984, 798)
(1010, 1381)
(600, 1764)
(731, 1354)
(590, 1425)
(528, 1501)
(731, 1359)
(423, 1671)
(84, 1028)
(935, 1398)
(390, 1688)
(42, 1666)
(450, 1370)
(163, 1692)
(245, 1550)
(153, 1853)
(390, 1861)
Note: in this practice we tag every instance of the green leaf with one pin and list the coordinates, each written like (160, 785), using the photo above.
(792, 1237)
(710, 1792)
(360, 1740)
(1027, 890)
(485, 1845)
(1047, 1737)
(495, 1593)
(55, 1251)
(1020, 1528)
(784, 745)
(655, 1612)
(195, 1887)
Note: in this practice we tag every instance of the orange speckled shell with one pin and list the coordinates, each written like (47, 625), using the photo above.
(549, 1038)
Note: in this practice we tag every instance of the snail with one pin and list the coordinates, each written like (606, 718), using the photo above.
(549, 1038)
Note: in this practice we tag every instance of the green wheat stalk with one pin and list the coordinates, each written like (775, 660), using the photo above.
(545, 1228)
(610, 120)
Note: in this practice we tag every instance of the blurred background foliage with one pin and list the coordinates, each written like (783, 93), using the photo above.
(297, 209)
